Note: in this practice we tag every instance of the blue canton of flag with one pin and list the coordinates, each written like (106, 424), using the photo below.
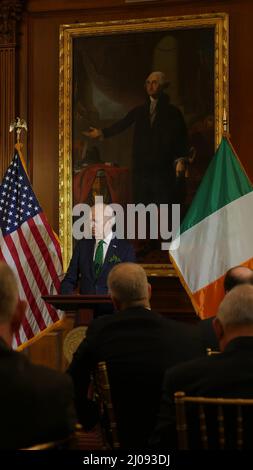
(29, 246)
(17, 200)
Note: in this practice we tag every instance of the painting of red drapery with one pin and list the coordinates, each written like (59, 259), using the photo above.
(112, 183)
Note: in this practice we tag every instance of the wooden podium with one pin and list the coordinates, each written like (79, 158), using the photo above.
(79, 305)
(71, 302)
(168, 298)
(79, 313)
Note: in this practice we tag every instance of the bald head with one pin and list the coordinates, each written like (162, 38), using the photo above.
(236, 276)
(235, 315)
(128, 285)
(8, 293)
(236, 309)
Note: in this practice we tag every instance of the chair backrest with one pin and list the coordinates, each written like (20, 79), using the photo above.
(68, 443)
(103, 396)
(227, 419)
(211, 352)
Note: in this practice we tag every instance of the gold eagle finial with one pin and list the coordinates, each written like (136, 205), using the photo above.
(18, 124)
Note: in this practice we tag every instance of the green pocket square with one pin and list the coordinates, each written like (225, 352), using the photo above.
(114, 259)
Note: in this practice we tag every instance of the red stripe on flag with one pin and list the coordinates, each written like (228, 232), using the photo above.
(51, 234)
(36, 273)
(44, 252)
(29, 295)
(17, 336)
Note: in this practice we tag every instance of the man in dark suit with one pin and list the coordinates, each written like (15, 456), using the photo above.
(138, 345)
(228, 374)
(234, 277)
(159, 140)
(37, 402)
(86, 265)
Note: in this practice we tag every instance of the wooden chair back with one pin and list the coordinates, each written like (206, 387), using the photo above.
(67, 443)
(104, 399)
(220, 410)
(211, 352)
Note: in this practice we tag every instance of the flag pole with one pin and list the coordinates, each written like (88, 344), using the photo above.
(28, 244)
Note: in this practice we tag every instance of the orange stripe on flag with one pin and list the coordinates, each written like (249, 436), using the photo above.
(209, 298)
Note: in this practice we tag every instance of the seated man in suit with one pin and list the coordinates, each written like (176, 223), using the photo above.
(37, 402)
(234, 277)
(138, 345)
(93, 258)
(228, 374)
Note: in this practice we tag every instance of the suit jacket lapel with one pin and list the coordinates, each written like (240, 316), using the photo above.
(90, 255)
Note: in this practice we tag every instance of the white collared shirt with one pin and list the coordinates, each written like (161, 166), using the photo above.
(153, 103)
(152, 109)
(106, 244)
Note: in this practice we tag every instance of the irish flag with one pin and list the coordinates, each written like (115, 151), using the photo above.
(217, 232)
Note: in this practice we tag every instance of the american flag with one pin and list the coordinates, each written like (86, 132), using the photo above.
(28, 245)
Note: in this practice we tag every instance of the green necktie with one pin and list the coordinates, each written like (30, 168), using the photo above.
(98, 260)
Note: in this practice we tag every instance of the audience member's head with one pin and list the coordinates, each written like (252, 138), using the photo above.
(236, 276)
(235, 315)
(128, 286)
(11, 308)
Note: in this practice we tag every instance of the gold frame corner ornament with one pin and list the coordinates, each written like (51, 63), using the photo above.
(68, 32)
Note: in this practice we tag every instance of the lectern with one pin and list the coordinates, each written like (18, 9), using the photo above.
(76, 303)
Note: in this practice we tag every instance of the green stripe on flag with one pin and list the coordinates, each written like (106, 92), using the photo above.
(224, 181)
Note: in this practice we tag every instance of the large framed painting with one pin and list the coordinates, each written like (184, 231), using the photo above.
(106, 73)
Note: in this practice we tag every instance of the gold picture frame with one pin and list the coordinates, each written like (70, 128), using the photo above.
(214, 26)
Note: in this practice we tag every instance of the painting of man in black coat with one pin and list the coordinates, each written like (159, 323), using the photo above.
(159, 141)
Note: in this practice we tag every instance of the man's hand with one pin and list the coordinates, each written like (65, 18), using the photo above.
(93, 133)
(182, 164)
(181, 167)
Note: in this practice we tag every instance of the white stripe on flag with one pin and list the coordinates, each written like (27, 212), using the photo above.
(38, 256)
(32, 248)
(9, 260)
(33, 286)
(48, 241)
(23, 337)
(217, 243)
(35, 289)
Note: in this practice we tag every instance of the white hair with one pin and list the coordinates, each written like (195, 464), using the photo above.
(161, 77)
(237, 307)
(128, 282)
